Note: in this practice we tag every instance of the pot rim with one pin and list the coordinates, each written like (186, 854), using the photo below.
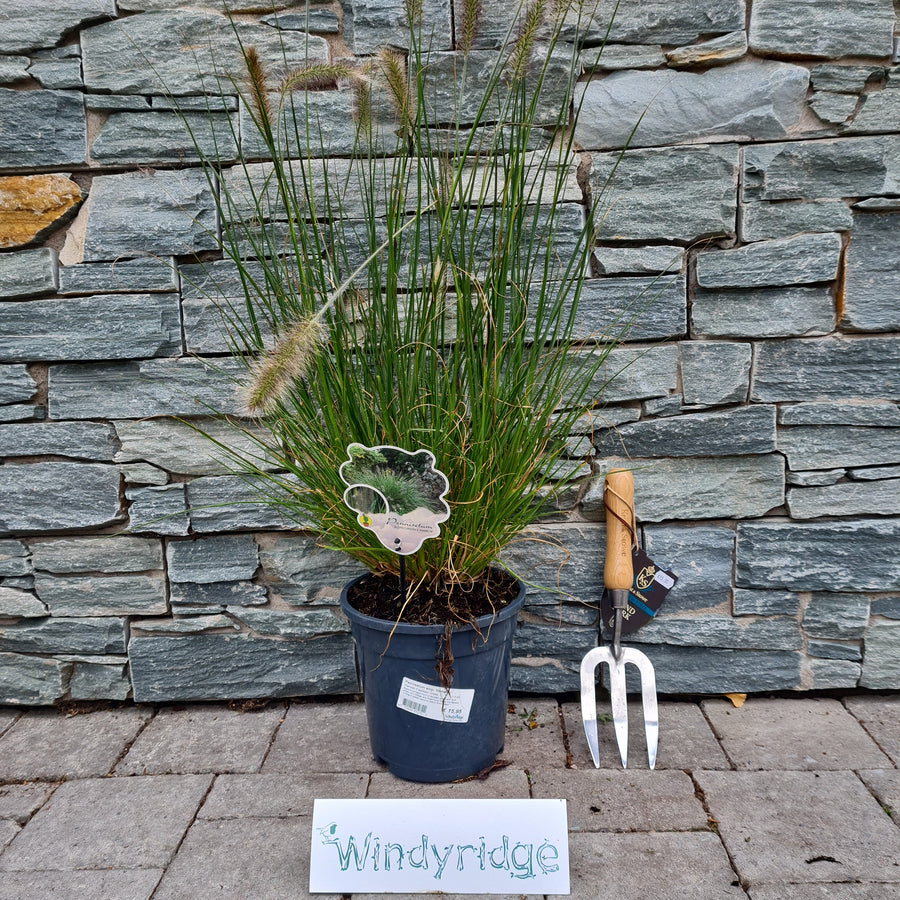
(390, 625)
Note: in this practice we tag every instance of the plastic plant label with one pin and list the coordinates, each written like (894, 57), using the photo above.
(396, 494)
(649, 589)
(434, 702)
(423, 847)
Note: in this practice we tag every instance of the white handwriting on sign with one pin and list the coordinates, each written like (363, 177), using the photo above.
(454, 846)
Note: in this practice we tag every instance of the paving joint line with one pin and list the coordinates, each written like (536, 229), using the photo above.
(872, 738)
(718, 738)
(129, 744)
(286, 706)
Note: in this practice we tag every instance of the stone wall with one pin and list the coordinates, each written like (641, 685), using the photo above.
(751, 231)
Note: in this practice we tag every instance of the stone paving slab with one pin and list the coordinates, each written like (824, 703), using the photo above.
(20, 802)
(8, 830)
(120, 823)
(202, 738)
(87, 884)
(685, 739)
(885, 785)
(616, 800)
(664, 866)
(242, 858)
(509, 783)
(799, 827)
(277, 796)
(880, 717)
(871, 891)
(534, 734)
(793, 734)
(322, 737)
(47, 744)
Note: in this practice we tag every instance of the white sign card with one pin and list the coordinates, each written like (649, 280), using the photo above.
(439, 846)
(396, 494)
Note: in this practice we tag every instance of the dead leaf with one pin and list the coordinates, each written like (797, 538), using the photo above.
(737, 700)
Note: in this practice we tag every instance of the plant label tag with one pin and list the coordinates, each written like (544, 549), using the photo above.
(396, 494)
(434, 702)
(439, 847)
(649, 589)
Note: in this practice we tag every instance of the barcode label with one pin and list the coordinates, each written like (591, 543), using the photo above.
(434, 702)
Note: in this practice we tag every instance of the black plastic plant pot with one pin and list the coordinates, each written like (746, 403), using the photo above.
(420, 730)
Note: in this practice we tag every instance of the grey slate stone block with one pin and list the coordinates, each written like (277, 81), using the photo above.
(639, 260)
(712, 52)
(830, 446)
(872, 280)
(323, 21)
(106, 554)
(100, 680)
(28, 273)
(829, 674)
(163, 66)
(42, 128)
(873, 413)
(14, 559)
(875, 474)
(835, 650)
(633, 309)
(76, 440)
(300, 573)
(724, 487)
(888, 607)
(376, 23)
(135, 213)
(143, 473)
(714, 372)
(158, 510)
(632, 374)
(59, 74)
(836, 616)
(752, 100)
(765, 603)
(143, 275)
(54, 496)
(846, 499)
(827, 369)
(102, 595)
(681, 193)
(73, 635)
(112, 326)
(670, 405)
(799, 260)
(212, 666)
(843, 78)
(826, 169)
(189, 624)
(701, 557)
(142, 818)
(833, 109)
(143, 388)
(822, 29)
(213, 559)
(29, 680)
(819, 556)
(716, 630)
(188, 449)
(16, 384)
(220, 593)
(16, 604)
(164, 137)
(230, 503)
(768, 221)
(745, 429)
(614, 57)
(24, 31)
(880, 109)
(290, 623)
(881, 663)
(13, 68)
(657, 20)
(21, 412)
(763, 313)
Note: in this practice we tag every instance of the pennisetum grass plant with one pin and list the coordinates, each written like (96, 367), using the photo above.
(421, 291)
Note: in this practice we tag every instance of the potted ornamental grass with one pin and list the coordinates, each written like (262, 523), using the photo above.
(408, 339)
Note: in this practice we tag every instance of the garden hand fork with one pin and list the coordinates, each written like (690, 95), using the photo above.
(618, 575)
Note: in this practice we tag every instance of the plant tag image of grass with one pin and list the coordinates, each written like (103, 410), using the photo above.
(397, 494)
